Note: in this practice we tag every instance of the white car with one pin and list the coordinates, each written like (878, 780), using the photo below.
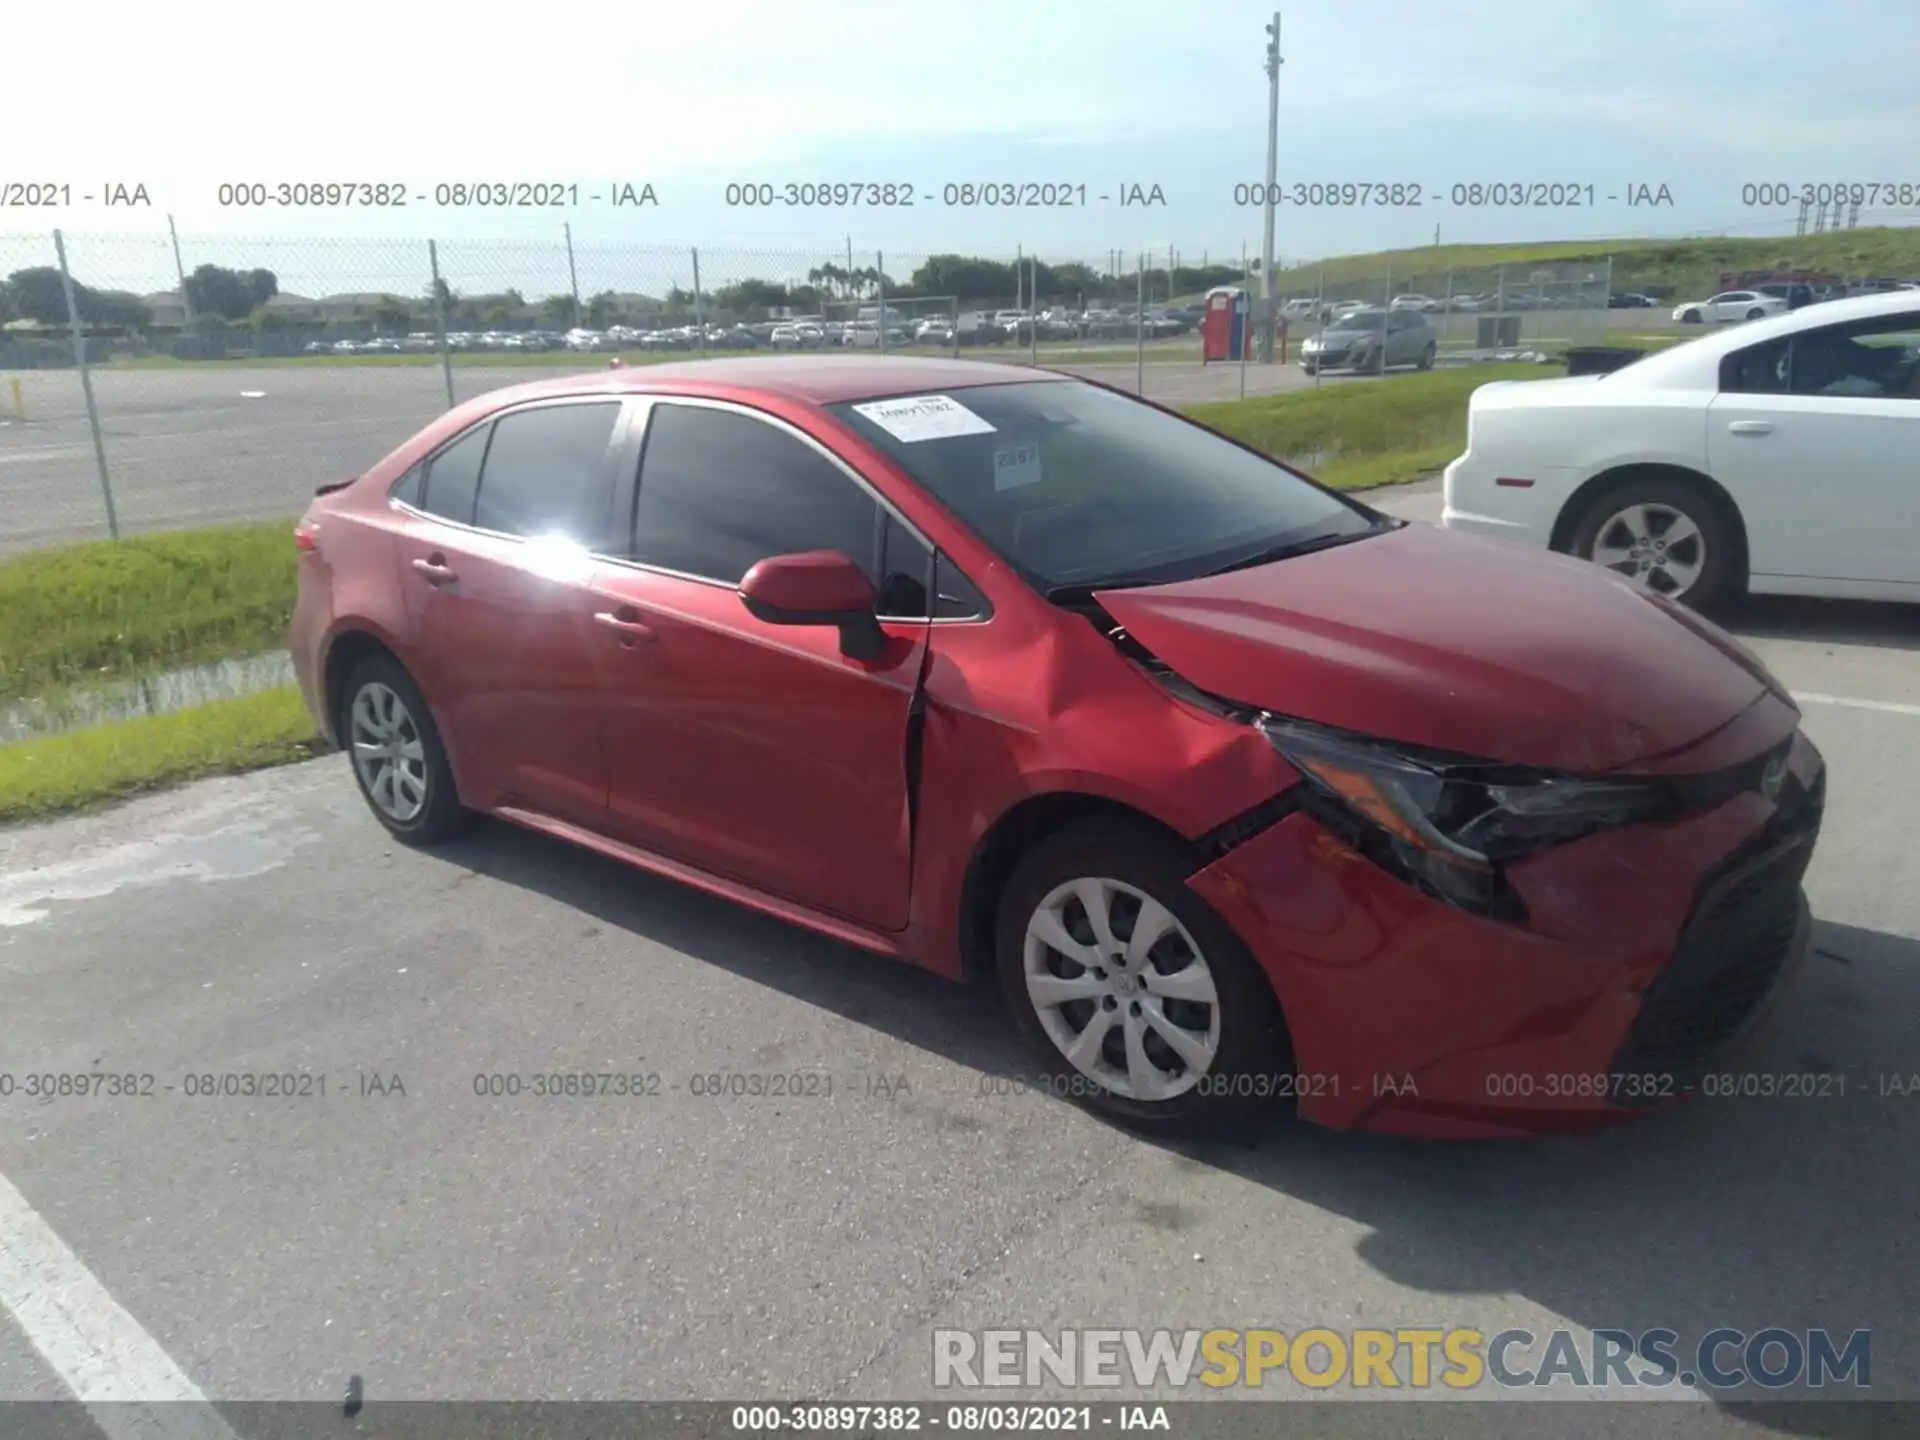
(1775, 458)
(1729, 305)
(798, 335)
(1424, 303)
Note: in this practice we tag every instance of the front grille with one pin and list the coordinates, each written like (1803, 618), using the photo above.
(1730, 954)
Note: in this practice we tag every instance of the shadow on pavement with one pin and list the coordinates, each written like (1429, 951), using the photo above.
(962, 1023)
(1842, 622)
(1793, 1211)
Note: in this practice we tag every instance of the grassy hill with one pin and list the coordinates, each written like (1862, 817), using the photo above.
(1663, 266)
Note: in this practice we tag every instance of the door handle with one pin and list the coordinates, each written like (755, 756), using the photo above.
(435, 570)
(626, 623)
(1751, 427)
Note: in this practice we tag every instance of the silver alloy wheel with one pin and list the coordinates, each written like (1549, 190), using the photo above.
(1653, 545)
(1122, 989)
(388, 753)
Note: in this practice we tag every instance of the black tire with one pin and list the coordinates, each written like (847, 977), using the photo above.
(1692, 317)
(1427, 355)
(1720, 574)
(1253, 1050)
(1309, 368)
(441, 816)
(1755, 314)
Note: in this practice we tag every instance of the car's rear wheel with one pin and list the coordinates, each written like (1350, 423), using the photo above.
(1138, 999)
(1666, 535)
(1755, 313)
(398, 758)
(1692, 317)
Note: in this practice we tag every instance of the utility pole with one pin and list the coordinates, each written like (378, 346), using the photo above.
(1273, 155)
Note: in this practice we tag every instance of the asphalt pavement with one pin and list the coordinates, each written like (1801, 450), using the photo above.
(216, 444)
(443, 1242)
(212, 444)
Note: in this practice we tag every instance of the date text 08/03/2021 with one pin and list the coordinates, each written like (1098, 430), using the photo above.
(1568, 194)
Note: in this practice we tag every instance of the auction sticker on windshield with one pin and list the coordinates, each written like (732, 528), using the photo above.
(924, 417)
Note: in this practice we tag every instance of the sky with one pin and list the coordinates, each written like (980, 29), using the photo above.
(1701, 97)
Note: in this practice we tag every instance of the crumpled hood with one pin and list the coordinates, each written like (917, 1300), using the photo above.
(1434, 638)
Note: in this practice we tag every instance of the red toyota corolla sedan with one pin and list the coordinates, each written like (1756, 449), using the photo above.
(1245, 791)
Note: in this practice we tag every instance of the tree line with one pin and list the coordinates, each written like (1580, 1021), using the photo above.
(217, 296)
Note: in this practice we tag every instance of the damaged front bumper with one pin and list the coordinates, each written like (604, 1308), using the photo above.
(1649, 953)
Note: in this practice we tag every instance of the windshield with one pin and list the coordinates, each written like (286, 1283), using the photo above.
(1358, 320)
(1077, 485)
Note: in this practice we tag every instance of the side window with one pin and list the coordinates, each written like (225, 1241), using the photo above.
(906, 572)
(959, 600)
(407, 489)
(546, 473)
(1876, 359)
(1756, 370)
(453, 477)
(721, 491)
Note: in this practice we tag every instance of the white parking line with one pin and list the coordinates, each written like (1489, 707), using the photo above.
(1848, 702)
(37, 453)
(102, 1354)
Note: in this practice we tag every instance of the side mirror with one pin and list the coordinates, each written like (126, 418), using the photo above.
(817, 587)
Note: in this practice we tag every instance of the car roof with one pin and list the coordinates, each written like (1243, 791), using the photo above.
(811, 379)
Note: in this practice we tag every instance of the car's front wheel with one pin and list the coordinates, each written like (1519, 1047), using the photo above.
(398, 757)
(1136, 996)
(1692, 317)
(1666, 535)
(1427, 355)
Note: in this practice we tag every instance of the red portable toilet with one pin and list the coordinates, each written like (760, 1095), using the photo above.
(1223, 325)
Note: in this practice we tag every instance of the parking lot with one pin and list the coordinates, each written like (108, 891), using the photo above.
(203, 446)
(445, 1243)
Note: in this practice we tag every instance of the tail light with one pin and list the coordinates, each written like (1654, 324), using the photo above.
(306, 537)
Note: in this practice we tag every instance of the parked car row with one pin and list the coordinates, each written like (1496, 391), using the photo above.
(804, 332)
(1316, 309)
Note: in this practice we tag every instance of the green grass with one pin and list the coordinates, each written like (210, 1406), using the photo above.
(1685, 266)
(120, 608)
(1381, 432)
(62, 773)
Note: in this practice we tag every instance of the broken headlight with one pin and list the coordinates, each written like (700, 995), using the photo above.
(1451, 826)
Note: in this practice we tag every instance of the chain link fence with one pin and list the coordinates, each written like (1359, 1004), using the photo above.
(1472, 314)
(224, 378)
(162, 381)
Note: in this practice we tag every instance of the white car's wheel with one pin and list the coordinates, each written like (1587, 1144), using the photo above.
(1664, 535)
(1135, 995)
